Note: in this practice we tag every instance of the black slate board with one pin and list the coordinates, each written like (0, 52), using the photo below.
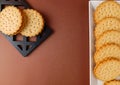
(25, 46)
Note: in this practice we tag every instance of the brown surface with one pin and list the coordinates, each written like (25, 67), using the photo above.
(60, 60)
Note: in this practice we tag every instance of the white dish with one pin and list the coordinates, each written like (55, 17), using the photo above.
(92, 7)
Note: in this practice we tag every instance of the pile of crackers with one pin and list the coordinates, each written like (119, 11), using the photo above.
(27, 22)
(107, 42)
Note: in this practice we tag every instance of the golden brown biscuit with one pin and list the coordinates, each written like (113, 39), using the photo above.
(10, 20)
(108, 69)
(106, 51)
(105, 25)
(107, 9)
(108, 37)
(33, 24)
(113, 82)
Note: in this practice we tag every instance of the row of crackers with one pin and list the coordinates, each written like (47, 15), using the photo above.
(107, 42)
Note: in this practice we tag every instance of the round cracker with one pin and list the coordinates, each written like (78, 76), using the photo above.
(106, 51)
(33, 24)
(108, 37)
(10, 20)
(113, 82)
(107, 9)
(105, 25)
(108, 69)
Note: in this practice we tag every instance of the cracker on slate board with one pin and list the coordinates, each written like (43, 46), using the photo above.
(10, 20)
(34, 23)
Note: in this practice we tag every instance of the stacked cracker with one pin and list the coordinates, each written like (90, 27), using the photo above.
(107, 36)
(27, 22)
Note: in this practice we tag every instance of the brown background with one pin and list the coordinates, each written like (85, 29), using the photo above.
(62, 59)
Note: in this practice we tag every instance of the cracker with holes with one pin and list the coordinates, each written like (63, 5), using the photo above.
(113, 82)
(10, 20)
(107, 69)
(34, 23)
(106, 51)
(107, 9)
(105, 25)
(108, 37)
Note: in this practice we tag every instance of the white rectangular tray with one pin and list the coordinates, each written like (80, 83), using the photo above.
(92, 7)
